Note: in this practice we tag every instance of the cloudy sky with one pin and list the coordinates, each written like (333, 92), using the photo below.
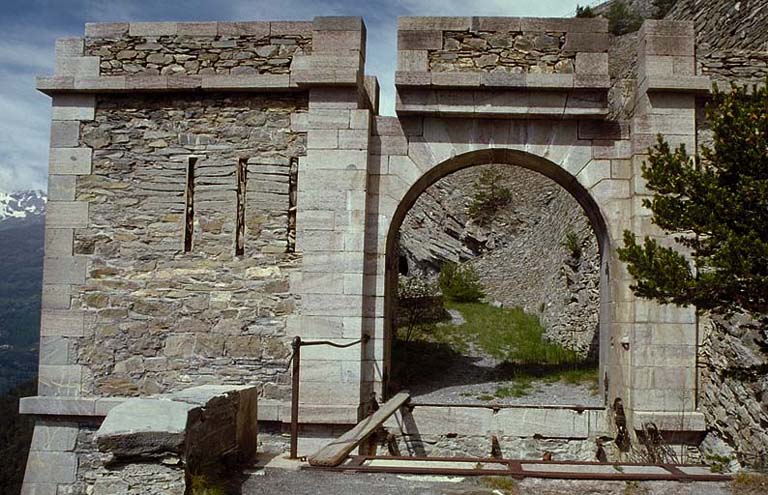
(28, 29)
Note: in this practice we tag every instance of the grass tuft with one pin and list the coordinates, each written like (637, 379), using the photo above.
(201, 485)
(507, 486)
(750, 484)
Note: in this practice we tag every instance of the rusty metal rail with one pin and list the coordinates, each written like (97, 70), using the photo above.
(517, 469)
(295, 359)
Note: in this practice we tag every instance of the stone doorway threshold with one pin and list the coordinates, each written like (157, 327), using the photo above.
(572, 470)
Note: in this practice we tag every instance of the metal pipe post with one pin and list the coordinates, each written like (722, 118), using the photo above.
(296, 344)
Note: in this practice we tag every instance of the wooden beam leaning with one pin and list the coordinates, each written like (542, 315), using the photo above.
(335, 452)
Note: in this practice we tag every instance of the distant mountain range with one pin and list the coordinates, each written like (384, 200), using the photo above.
(22, 205)
(22, 234)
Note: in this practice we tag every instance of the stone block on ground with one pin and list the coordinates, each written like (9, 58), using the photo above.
(207, 421)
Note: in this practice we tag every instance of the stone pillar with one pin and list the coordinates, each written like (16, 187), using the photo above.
(331, 222)
(662, 339)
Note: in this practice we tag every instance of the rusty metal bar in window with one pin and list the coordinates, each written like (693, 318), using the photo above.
(241, 174)
(293, 178)
(189, 208)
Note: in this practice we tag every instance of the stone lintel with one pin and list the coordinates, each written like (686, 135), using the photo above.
(60, 86)
(514, 103)
(326, 77)
(503, 24)
(424, 79)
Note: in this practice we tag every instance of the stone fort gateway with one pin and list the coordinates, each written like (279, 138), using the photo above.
(217, 189)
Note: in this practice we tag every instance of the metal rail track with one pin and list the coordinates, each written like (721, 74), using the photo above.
(535, 469)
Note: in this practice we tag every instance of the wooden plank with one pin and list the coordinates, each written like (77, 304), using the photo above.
(335, 452)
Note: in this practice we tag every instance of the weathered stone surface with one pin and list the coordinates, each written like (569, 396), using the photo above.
(144, 427)
(73, 107)
(197, 49)
(164, 303)
(515, 52)
(199, 425)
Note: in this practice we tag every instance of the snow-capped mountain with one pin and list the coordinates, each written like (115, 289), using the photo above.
(22, 204)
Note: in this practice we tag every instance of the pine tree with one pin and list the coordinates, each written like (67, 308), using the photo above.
(585, 12)
(662, 7)
(490, 195)
(717, 207)
(623, 19)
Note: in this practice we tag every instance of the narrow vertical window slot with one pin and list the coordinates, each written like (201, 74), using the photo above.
(189, 210)
(293, 177)
(242, 172)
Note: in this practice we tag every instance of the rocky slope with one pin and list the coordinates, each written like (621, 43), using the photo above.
(736, 407)
(520, 256)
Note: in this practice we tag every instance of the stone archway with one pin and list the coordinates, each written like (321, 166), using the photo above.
(505, 157)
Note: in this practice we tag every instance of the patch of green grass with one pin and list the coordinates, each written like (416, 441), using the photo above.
(485, 397)
(202, 485)
(509, 334)
(519, 388)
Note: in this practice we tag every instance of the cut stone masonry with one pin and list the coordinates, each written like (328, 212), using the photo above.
(297, 192)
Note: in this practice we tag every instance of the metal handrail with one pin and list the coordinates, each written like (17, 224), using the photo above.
(295, 359)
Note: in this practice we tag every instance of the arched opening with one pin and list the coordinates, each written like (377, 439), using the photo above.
(498, 158)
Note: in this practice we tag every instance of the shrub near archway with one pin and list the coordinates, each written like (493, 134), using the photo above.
(460, 283)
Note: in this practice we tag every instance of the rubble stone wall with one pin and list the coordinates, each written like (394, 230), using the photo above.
(738, 66)
(736, 409)
(200, 48)
(158, 318)
(515, 52)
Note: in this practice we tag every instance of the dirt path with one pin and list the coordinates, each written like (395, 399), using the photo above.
(280, 482)
(438, 374)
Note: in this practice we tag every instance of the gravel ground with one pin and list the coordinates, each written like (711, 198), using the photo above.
(464, 379)
(276, 481)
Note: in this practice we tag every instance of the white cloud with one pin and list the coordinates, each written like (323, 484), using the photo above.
(24, 113)
(27, 50)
